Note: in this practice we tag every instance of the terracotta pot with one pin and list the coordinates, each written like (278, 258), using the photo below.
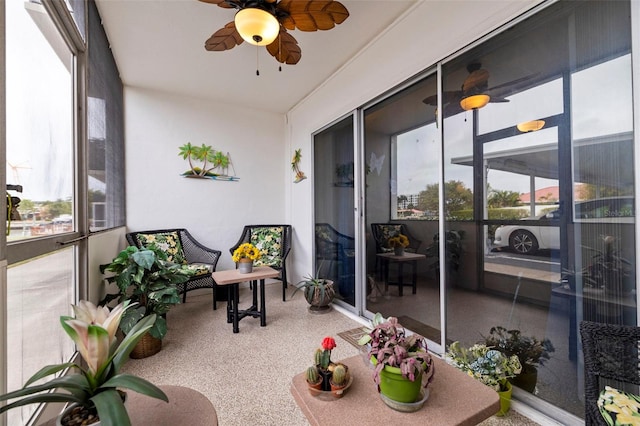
(338, 391)
(315, 388)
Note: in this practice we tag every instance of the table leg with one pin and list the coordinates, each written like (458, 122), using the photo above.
(236, 290)
(400, 277)
(229, 305)
(385, 274)
(263, 312)
(415, 275)
(254, 283)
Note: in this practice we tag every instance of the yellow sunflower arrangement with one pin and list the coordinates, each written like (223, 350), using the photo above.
(246, 251)
(399, 240)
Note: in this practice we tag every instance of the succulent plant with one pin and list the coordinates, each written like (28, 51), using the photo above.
(318, 356)
(339, 375)
(312, 374)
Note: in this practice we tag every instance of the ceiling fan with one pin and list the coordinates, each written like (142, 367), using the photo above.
(474, 92)
(265, 23)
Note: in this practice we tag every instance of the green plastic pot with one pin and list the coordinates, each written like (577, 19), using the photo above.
(505, 399)
(396, 387)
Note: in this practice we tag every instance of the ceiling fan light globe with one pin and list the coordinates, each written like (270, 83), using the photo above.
(530, 126)
(474, 102)
(257, 26)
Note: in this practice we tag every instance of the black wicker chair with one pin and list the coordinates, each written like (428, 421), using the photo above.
(276, 260)
(381, 232)
(610, 354)
(194, 254)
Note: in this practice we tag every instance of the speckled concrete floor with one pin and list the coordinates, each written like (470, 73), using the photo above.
(247, 375)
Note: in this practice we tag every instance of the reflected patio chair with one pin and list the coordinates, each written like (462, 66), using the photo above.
(337, 251)
(381, 233)
(610, 358)
(274, 241)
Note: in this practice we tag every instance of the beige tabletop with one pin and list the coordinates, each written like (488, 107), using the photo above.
(232, 276)
(186, 406)
(454, 399)
(406, 257)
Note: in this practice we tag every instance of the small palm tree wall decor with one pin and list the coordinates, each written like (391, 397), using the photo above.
(206, 162)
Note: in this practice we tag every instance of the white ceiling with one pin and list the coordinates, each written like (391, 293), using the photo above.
(159, 44)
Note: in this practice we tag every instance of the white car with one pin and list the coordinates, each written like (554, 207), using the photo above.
(528, 238)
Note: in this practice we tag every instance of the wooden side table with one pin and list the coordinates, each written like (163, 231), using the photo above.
(401, 260)
(233, 278)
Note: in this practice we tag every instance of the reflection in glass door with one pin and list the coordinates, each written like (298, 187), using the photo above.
(334, 207)
(401, 152)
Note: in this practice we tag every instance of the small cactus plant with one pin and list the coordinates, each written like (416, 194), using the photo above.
(339, 376)
(318, 356)
(312, 374)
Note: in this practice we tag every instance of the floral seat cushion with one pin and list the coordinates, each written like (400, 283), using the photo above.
(168, 242)
(198, 268)
(269, 241)
(618, 407)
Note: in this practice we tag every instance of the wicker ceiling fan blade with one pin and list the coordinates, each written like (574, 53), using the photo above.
(312, 15)
(221, 3)
(477, 80)
(224, 39)
(285, 49)
(447, 97)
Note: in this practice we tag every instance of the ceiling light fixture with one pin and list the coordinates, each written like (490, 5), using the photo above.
(474, 102)
(530, 126)
(257, 26)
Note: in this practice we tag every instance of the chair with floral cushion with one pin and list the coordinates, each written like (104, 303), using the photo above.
(181, 248)
(274, 243)
(610, 358)
(381, 233)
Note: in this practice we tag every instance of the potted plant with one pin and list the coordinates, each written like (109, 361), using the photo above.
(400, 361)
(145, 276)
(398, 244)
(453, 249)
(244, 256)
(318, 292)
(490, 366)
(95, 390)
(203, 160)
(324, 374)
(530, 351)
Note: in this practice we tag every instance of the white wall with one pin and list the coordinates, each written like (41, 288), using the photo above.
(157, 124)
(429, 32)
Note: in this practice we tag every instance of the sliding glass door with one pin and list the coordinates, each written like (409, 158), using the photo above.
(334, 208)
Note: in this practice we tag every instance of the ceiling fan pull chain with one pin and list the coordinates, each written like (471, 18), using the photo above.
(257, 61)
(279, 53)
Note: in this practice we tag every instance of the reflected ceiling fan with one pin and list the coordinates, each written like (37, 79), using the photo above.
(473, 94)
(265, 23)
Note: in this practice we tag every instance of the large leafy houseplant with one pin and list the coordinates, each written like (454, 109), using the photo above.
(146, 277)
(96, 386)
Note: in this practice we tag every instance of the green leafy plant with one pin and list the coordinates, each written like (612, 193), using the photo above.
(489, 366)
(96, 385)
(146, 277)
(203, 160)
(453, 250)
(530, 351)
(315, 288)
(391, 346)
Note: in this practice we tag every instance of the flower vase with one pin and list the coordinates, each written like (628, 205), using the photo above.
(245, 266)
(505, 398)
(398, 251)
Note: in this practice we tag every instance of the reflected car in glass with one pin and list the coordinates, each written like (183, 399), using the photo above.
(530, 237)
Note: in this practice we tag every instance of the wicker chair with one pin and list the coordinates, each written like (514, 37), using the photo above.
(610, 353)
(191, 253)
(381, 233)
(275, 259)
